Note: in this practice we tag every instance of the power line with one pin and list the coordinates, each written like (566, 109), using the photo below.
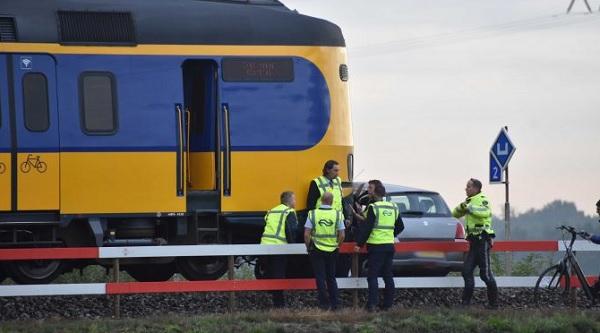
(483, 32)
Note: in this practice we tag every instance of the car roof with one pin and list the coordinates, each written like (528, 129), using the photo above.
(393, 188)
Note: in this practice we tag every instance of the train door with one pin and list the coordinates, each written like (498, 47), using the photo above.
(5, 141)
(34, 132)
(200, 95)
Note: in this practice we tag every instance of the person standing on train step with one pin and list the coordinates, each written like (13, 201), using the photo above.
(478, 221)
(280, 228)
(379, 232)
(323, 233)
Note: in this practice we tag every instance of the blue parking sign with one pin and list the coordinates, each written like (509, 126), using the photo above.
(495, 170)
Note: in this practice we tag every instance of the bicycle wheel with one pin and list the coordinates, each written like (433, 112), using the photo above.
(552, 286)
(25, 167)
(42, 167)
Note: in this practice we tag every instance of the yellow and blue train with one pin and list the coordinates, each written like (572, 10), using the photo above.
(147, 122)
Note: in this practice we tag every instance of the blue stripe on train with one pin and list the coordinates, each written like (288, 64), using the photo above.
(264, 116)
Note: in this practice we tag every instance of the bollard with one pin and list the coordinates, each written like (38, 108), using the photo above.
(117, 298)
(231, 276)
(354, 271)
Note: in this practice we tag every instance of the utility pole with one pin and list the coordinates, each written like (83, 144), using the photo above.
(586, 4)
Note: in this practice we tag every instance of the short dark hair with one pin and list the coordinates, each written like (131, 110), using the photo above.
(598, 203)
(476, 183)
(285, 197)
(328, 166)
(379, 191)
(375, 182)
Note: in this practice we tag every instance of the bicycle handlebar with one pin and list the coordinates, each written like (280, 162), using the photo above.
(573, 231)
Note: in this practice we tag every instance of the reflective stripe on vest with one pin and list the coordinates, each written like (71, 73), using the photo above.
(386, 214)
(275, 219)
(325, 222)
(334, 186)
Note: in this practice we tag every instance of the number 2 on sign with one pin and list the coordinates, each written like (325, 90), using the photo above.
(495, 172)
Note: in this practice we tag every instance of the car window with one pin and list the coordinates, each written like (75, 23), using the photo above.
(420, 204)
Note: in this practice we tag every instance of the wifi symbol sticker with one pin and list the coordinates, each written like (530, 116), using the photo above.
(26, 63)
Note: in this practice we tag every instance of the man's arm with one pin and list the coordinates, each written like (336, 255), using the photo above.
(313, 196)
(291, 225)
(460, 210)
(480, 211)
(399, 226)
(307, 234)
(366, 228)
(341, 234)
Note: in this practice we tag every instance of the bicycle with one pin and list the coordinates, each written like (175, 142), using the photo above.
(556, 280)
(40, 166)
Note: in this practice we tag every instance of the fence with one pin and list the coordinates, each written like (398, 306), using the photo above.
(117, 288)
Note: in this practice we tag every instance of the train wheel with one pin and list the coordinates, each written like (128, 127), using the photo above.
(34, 272)
(150, 273)
(202, 268)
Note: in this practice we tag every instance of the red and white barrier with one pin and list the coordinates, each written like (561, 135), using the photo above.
(254, 249)
(253, 285)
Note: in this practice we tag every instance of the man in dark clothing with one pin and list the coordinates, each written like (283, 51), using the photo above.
(379, 232)
(596, 240)
(280, 228)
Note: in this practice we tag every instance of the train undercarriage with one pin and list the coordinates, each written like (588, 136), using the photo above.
(196, 228)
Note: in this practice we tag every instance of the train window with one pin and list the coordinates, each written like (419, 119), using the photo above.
(98, 103)
(35, 102)
(258, 69)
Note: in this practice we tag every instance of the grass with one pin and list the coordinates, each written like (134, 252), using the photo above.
(418, 321)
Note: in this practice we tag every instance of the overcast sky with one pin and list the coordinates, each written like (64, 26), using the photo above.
(432, 83)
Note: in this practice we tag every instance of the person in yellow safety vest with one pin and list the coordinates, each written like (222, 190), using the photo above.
(280, 228)
(328, 182)
(323, 233)
(379, 232)
(478, 222)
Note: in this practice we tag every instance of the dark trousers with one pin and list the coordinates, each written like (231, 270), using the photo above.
(380, 264)
(323, 264)
(276, 270)
(479, 255)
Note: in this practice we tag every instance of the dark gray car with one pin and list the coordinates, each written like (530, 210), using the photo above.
(426, 218)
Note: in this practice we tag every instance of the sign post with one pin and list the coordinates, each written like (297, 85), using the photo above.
(500, 154)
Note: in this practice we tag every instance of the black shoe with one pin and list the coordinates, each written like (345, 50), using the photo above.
(370, 309)
(465, 304)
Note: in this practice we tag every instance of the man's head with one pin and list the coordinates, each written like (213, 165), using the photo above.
(288, 198)
(598, 207)
(331, 169)
(372, 185)
(327, 199)
(473, 187)
(379, 192)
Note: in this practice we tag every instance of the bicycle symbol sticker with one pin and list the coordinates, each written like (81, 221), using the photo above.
(2, 168)
(36, 163)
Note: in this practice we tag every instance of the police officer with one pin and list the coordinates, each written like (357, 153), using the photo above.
(478, 221)
(382, 225)
(280, 227)
(323, 233)
(328, 182)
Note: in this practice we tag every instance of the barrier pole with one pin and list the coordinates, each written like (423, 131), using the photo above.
(231, 276)
(354, 271)
(117, 298)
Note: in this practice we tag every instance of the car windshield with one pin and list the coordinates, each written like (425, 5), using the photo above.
(420, 204)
